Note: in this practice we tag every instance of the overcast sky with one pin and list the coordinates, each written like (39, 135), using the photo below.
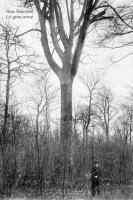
(117, 76)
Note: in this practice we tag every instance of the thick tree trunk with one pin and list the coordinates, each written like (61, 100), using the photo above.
(66, 125)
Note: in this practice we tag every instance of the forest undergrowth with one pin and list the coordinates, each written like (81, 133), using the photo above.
(83, 194)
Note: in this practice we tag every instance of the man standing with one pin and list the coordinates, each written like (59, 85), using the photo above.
(95, 179)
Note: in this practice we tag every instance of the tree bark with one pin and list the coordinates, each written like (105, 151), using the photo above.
(4, 138)
(66, 123)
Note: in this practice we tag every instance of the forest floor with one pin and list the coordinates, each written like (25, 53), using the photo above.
(75, 195)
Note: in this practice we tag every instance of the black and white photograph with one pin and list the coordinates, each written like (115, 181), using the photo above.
(66, 99)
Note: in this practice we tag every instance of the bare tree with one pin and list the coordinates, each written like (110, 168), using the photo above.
(91, 83)
(67, 30)
(127, 120)
(118, 35)
(43, 97)
(86, 113)
(123, 133)
(13, 65)
(106, 111)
